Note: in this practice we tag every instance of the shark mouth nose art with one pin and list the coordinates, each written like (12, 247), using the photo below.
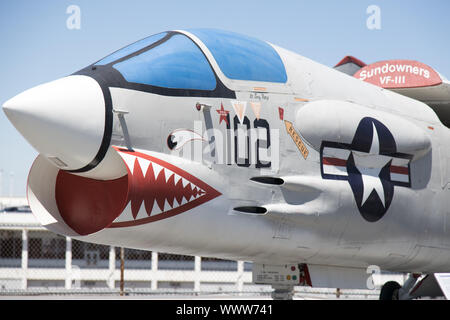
(158, 190)
(152, 190)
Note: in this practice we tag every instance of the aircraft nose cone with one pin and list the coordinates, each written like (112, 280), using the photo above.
(64, 120)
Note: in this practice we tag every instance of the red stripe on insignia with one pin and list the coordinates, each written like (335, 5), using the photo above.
(334, 162)
(400, 170)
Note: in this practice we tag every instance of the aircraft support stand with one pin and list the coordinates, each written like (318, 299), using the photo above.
(282, 292)
(282, 278)
(403, 292)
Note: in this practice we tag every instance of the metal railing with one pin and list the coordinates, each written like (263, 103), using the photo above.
(36, 261)
(47, 268)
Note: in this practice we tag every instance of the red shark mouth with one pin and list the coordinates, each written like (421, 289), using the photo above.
(152, 190)
(158, 190)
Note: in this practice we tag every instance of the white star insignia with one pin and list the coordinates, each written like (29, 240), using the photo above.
(370, 168)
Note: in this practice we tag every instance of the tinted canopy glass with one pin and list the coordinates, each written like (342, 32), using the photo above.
(175, 63)
(138, 45)
(241, 57)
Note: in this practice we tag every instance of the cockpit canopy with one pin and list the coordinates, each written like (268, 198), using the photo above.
(173, 60)
(242, 57)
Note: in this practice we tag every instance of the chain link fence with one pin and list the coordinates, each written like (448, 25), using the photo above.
(34, 261)
(38, 261)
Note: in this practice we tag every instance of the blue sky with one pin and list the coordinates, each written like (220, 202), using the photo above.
(37, 46)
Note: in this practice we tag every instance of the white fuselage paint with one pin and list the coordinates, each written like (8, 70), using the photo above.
(411, 236)
(311, 220)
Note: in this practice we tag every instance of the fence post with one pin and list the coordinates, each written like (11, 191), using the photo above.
(240, 277)
(112, 268)
(122, 270)
(24, 259)
(154, 284)
(68, 282)
(197, 270)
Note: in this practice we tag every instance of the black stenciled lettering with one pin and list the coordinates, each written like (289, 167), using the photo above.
(246, 122)
(262, 123)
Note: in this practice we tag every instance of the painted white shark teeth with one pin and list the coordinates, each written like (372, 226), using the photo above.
(168, 174)
(176, 178)
(155, 210)
(144, 164)
(183, 201)
(129, 161)
(156, 170)
(158, 190)
(188, 192)
(126, 214)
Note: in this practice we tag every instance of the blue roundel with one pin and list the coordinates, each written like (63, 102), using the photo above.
(371, 165)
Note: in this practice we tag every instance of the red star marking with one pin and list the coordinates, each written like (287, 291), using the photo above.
(281, 112)
(223, 114)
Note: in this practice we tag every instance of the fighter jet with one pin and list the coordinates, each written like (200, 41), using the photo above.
(212, 143)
